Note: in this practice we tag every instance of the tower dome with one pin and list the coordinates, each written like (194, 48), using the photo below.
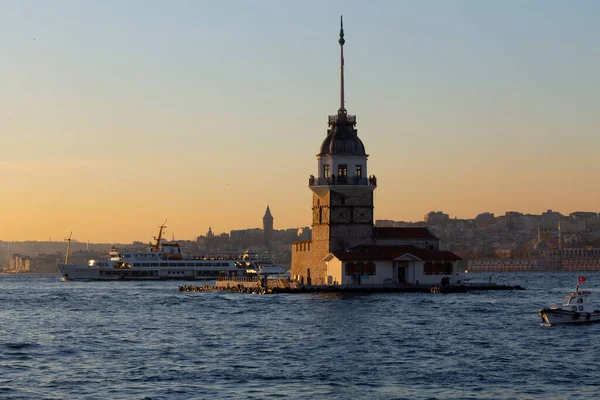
(342, 138)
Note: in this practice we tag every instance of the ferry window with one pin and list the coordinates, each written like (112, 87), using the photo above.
(145, 264)
(181, 264)
(136, 264)
(164, 264)
(155, 264)
(208, 264)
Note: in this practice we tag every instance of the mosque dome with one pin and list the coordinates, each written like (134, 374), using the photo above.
(540, 247)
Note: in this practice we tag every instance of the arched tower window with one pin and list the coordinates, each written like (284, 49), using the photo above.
(358, 171)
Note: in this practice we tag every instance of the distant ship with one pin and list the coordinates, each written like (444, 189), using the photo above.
(166, 261)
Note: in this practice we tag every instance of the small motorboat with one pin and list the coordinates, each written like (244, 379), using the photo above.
(576, 308)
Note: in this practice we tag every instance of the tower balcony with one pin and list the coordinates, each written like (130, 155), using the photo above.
(343, 180)
(342, 119)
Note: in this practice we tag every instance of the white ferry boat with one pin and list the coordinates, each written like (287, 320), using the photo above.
(166, 261)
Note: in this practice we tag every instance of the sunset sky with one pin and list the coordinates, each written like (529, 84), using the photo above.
(115, 115)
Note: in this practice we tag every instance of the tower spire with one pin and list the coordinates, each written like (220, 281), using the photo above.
(341, 42)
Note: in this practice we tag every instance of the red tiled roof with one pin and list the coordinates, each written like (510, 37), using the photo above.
(409, 232)
(374, 252)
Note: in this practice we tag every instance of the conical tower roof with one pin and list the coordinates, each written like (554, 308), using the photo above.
(268, 213)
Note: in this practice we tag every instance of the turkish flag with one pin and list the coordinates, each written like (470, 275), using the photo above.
(581, 279)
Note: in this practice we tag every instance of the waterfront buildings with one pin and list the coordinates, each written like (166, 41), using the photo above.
(42, 263)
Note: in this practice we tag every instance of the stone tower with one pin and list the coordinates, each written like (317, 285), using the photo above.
(268, 228)
(342, 206)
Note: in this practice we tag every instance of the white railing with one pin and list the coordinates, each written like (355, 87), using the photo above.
(342, 180)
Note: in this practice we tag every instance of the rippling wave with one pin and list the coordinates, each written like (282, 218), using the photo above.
(146, 340)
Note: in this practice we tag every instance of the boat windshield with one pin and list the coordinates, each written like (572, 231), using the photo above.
(567, 300)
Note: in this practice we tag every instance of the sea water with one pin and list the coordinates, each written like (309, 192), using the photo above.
(146, 340)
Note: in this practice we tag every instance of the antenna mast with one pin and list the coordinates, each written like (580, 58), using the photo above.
(158, 239)
(341, 42)
(68, 240)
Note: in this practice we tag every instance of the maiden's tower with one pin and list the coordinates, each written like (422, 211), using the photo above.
(342, 207)
(345, 247)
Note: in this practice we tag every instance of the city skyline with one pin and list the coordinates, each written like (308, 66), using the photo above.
(116, 119)
(204, 232)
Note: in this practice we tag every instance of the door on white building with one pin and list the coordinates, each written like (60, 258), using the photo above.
(401, 273)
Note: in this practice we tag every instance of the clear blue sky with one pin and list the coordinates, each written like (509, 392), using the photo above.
(113, 109)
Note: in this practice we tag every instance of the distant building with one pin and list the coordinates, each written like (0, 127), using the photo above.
(304, 233)
(47, 263)
(384, 223)
(573, 225)
(19, 263)
(436, 218)
(484, 219)
(268, 228)
(42, 263)
(549, 220)
(591, 219)
(513, 220)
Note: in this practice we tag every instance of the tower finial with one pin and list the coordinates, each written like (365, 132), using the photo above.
(341, 42)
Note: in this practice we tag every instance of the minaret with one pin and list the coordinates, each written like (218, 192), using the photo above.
(559, 239)
(268, 228)
(342, 208)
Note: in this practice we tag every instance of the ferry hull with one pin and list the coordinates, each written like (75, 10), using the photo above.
(85, 273)
(74, 272)
(560, 317)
